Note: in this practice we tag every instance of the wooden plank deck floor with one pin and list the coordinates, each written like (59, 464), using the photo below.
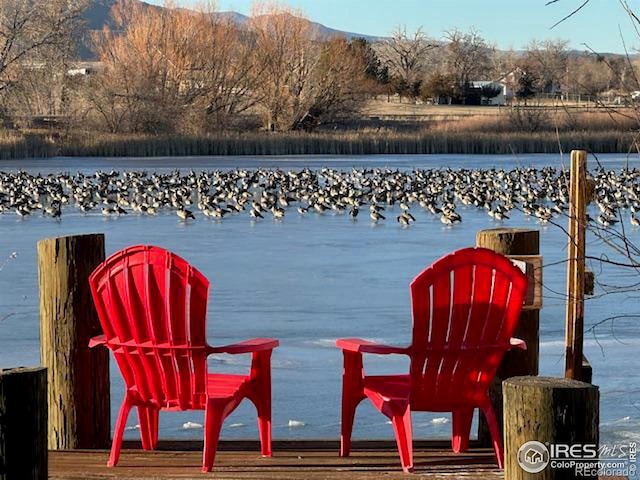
(298, 460)
(292, 460)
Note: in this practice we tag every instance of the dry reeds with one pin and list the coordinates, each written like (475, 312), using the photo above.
(334, 143)
(541, 119)
(16, 145)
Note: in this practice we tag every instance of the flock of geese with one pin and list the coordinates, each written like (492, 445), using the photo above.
(261, 193)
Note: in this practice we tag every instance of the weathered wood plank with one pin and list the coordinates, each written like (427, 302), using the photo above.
(533, 270)
(290, 464)
(23, 424)
(512, 242)
(576, 265)
(78, 378)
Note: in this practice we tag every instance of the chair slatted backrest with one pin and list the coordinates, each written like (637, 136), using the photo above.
(152, 306)
(465, 309)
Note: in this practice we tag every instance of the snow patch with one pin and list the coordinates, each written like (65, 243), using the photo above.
(440, 420)
(191, 425)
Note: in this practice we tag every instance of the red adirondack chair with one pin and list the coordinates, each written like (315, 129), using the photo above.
(465, 309)
(152, 306)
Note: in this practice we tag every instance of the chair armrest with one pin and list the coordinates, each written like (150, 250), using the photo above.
(97, 340)
(358, 345)
(248, 346)
(517, 343)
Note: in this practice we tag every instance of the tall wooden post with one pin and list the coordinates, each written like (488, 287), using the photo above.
(79, 406)
(512, 241)
(23, 424)
(575, 265)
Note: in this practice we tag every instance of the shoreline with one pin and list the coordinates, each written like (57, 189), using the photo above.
(52, 144)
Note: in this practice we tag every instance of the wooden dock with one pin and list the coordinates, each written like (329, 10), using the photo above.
(292, 460)
(299, 460)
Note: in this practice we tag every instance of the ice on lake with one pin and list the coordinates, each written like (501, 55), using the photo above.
(308, 280)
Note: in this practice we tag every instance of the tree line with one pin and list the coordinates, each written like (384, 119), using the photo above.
(421, 67)
(168, 70)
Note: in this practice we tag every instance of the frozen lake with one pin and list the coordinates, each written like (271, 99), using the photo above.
(308, 280)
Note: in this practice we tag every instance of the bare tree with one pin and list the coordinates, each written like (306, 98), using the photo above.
(33, 35)
(406, 56)
(303, 79)
(139, 88)
(228, 71)
(336, 88)
(588, 75)
(287, 55)
(468, 57)
(172, 68)
(503, 62)
(168, 69)
(40, 90)
(547, 62)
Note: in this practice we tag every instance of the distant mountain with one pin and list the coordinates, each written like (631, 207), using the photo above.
(322, 30)
(98, 15)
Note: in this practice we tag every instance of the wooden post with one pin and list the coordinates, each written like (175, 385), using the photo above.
(512, 241)
(549, 411)
(23, 424)
(575, 265)
(79, 406)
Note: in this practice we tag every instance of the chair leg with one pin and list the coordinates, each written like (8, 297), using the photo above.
(154, 428)
(461, 429)
(213, 418)
(148, 418)
(261, 398)
(352, 395)
(492, 422)
(114, 456)
(350, 401)
(404, 439)
(263, 406)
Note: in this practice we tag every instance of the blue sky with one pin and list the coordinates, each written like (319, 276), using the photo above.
(507, 23)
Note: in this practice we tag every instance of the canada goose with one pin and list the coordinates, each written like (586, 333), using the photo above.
(185, 214)
(255, 213)
(376, 216)
(540, 192)
(278, 213)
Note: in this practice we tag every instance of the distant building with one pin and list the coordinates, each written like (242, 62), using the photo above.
(505, 94)
(74, 72)
(84, 69)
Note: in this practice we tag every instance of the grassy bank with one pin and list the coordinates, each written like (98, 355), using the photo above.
(40, 145)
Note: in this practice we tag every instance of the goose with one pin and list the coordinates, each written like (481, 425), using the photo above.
(184, 214)
(376, 216)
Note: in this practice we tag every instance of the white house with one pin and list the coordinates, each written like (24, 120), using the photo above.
(84, 69)
(505, 95)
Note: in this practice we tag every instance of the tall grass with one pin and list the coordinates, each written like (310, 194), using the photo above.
(16, 145)
(334, 143)
(532, 119)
